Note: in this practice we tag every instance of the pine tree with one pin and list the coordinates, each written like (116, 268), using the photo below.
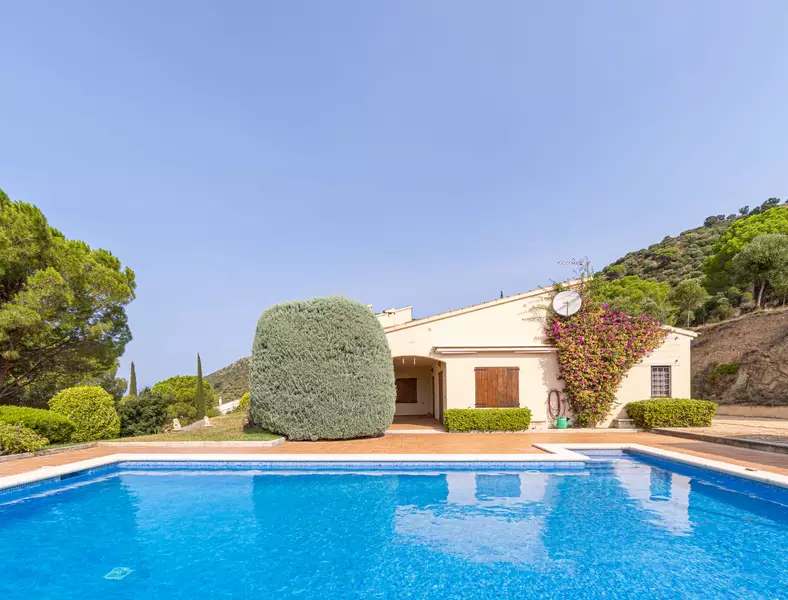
(133, 381)
(200, 398)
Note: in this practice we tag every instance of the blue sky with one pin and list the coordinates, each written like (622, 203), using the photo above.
(239, 154)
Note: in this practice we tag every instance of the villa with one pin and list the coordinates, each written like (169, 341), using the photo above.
(494, 355)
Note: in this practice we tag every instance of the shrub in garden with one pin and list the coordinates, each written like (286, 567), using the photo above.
(15, 439)
(244, 403)
(143, 414)
(486, 419)
(321, 369)
(46, 423)
(671, 412)
(91, 409)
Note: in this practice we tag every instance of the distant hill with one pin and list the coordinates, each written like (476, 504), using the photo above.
(232, 381)
(682, 256)
(674, 258)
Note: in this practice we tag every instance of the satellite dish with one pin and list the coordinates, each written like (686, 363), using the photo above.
(567, 303)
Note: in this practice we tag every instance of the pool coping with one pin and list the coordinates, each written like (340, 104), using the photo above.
(556, 453)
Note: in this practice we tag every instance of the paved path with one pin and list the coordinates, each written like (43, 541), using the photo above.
(450, 443)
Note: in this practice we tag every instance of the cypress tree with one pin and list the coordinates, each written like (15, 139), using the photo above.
(133, 381)
(200, 398)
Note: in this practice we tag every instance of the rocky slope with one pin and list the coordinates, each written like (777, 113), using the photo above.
(743, 360)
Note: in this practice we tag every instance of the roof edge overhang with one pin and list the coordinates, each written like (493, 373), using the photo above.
(446, 350)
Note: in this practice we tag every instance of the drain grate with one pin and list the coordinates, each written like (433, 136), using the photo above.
(118, 573)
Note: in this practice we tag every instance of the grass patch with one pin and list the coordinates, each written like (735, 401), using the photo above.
(229, 428)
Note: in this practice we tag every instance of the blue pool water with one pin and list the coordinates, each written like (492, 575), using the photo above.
(622, 527)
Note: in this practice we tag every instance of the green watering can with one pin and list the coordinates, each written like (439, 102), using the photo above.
(561, 423)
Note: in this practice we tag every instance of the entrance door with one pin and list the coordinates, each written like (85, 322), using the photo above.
(497, 387)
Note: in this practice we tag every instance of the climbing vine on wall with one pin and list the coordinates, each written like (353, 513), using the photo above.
(597, 346)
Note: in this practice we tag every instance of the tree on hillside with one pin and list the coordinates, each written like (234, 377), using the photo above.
(182, 392)
(719, 266)
(687, 296)
(62, 304)
(200, 398)
(635, 296)
(762, 262)
(133, 381)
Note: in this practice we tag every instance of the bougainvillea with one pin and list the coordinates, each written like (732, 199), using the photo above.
(596, 348)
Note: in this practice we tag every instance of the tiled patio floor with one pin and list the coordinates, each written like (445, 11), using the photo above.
(456, 443)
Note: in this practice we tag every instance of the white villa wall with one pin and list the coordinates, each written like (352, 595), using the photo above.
(509, 333)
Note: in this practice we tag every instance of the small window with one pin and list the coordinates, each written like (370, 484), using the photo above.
(660, 382)
(406, 390)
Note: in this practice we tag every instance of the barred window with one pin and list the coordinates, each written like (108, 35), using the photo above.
(660, 382)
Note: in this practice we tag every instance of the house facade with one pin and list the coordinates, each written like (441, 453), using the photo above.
(494, 355)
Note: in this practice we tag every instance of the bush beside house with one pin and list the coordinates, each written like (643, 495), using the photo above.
(488, 419)
(91, 409)
(15, 439)
(321, 369)
(46, 423)
(671, 412)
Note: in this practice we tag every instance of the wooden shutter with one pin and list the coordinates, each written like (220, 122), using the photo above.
(497, 387)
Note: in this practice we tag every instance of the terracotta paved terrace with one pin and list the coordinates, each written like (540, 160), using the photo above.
(449, 443)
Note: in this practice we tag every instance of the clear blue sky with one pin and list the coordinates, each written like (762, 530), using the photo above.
(239, 154)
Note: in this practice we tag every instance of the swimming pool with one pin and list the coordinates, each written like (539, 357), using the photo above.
(618, 526)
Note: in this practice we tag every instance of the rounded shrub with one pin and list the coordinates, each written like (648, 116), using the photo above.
(91, 409)
(143, 414)
(15, 439)
(321, 369)
(46, 423)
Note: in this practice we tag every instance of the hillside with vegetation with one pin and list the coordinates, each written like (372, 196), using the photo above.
(231, 382)
(731, 265)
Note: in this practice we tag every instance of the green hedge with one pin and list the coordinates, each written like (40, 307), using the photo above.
(487, 419)
(671, 412)
(321, 369)
(15, 439)
(47, 423)
(91, 409)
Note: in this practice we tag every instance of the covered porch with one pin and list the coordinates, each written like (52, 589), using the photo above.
(421, 389)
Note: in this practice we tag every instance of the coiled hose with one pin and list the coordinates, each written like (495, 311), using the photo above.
(556, 405)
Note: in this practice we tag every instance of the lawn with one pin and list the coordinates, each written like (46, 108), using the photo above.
(229, 428)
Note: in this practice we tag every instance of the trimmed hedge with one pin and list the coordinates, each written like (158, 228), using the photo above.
(487, 419)
(321, 369)
(671, 412)
(91, 409)
(15, 439)
(46, 423)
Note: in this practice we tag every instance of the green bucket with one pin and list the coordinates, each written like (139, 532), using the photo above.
(561, 423)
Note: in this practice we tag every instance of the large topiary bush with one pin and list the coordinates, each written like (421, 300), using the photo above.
(15, 439)
(91, 409)
(671, 412)
(321, 369)
(46, 423)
